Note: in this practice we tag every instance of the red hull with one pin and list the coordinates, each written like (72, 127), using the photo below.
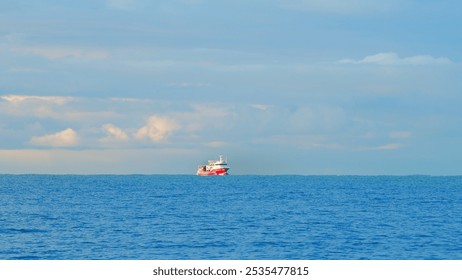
(219, 172)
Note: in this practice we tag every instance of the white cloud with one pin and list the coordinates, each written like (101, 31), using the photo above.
(59, 100)
(157, 129)
(114, 134)
(391, 58)
(65, 138)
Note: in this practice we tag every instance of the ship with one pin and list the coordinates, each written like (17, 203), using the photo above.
(214, 167)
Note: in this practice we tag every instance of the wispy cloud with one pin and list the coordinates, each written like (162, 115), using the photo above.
(389, 147)
(65, 138)
(262, 107)
(59, 100)
(391, 58)
(64, 108)
(384, 147)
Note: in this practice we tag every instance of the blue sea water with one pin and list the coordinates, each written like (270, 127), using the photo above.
(232, 217)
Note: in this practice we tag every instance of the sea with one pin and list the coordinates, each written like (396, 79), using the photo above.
(186, 217)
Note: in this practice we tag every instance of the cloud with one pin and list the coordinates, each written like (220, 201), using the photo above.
(58, 100)
(62, 108)
(385, 147)
(53, 53)
(114, 134)
(262, 107)
(388, 147)
(391, 58)
(65, 138)
(156, 129)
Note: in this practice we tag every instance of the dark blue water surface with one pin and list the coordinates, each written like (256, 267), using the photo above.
(232, 217)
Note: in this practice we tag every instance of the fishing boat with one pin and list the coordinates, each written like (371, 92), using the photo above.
(214, 167)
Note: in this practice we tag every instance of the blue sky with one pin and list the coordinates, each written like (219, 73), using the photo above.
(279, 87)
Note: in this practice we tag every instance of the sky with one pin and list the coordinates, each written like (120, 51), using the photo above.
(309, 87)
